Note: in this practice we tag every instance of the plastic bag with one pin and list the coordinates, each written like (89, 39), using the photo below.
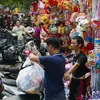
(30, 79)
(9, 53)
(3, 42)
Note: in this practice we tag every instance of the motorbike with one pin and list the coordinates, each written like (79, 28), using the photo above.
(11, 91)
(10, 74)
(5, 38)
(42, 49)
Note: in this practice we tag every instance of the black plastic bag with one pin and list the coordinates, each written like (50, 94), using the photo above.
(3, 42)
(9, 53)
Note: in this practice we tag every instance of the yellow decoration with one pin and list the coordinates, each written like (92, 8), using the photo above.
(44, 19)
(90, 61)
(16, 10)
(68, 5)
(61, 29)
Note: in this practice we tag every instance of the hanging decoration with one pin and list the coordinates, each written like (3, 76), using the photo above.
(34, 5)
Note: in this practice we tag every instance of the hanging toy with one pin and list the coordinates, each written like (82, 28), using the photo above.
(73, 17)
(98, 34)
(61, 29)
(75, 1)
(82, 4)
(35, 6)
(76, 7)
(31, 11)
(67, 18)
(90, 62)
(60, 16)
(52, 27)
(89, 2)
(47, 9)
(45, 19)
(52, 2)
(67, 5)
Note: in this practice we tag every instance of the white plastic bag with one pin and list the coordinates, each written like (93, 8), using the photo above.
(30, 79)
(26, 63)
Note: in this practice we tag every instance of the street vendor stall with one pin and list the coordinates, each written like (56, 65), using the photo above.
(65, 19)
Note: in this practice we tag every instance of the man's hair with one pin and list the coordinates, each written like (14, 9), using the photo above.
(79, 40)
(54, 42)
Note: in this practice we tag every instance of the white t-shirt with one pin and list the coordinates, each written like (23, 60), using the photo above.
(19, 31)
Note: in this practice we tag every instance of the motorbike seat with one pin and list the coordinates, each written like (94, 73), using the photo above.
(24, 97)
(11, 70)
(10, 82)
